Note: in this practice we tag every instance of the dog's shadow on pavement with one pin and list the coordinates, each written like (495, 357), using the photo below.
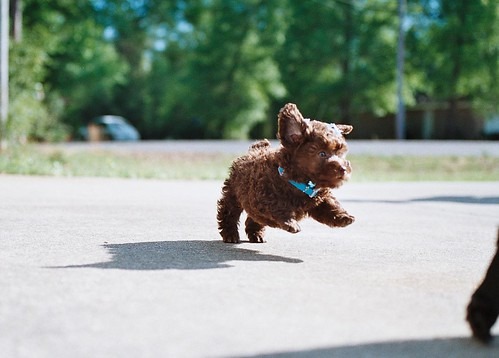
(484, 200)
(487, 200)
(179, 255)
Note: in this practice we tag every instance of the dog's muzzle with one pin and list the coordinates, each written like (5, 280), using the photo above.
(342, 167)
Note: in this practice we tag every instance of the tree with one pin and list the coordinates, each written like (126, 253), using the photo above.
(85, 72)
(29, 114)
(338, 58)
(233, 74)
(61, 69)
(134, 27)
(221, 68)
(455, 46)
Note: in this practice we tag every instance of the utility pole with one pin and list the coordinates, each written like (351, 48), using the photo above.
(4, 68)
(400, 118)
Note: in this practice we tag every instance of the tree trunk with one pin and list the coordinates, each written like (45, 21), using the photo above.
(451, 129)
(345, 102)
(16, 15)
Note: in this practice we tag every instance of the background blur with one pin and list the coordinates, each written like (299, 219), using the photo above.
(223, 68)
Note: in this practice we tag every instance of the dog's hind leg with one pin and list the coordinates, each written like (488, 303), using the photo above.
(228, 212)
(254, 230)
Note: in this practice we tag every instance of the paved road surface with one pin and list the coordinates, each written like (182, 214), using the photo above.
(135, 268)
(384, 147)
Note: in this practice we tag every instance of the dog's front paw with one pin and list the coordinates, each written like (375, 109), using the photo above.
(291, 226)
(343, 219)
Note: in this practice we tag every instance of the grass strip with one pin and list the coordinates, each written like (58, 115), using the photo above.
(27, 160)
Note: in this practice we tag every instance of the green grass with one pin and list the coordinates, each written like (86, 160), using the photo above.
(29, 160)
(425, 168)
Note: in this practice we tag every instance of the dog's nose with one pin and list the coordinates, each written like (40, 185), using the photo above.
(344, 169)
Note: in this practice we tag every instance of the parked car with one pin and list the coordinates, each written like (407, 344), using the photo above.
(109, 128)
(491, 128)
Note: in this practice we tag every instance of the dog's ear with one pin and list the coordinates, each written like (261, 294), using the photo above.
(344, 128)
(292, 126)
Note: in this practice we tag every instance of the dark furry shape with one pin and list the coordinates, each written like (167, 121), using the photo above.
(311, 151)
(483, 309)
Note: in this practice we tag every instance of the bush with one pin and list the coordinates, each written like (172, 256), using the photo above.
(30, 115)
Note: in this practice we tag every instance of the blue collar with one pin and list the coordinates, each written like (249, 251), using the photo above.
(308, 188)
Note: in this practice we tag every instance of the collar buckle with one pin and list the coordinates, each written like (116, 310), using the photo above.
(308, 188)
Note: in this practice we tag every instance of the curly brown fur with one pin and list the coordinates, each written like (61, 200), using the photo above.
(483, 308)
(310, 151)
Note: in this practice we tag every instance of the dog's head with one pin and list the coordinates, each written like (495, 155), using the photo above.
(316, 150)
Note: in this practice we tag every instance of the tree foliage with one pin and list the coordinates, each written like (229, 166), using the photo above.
(339, 57)
(454, 45)
(222, 68)
(233, 87)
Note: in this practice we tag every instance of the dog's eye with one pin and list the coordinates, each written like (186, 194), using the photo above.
(323, 154)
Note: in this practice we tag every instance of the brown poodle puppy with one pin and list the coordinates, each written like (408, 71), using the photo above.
(279, 187)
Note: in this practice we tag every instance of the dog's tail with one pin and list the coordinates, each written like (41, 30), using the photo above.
(261, 144)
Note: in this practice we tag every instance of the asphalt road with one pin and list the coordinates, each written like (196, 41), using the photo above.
(135, 268)
(374, 147)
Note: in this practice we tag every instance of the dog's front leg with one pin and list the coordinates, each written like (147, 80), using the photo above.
(291, 225)
(331, 213)
(286, 220)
